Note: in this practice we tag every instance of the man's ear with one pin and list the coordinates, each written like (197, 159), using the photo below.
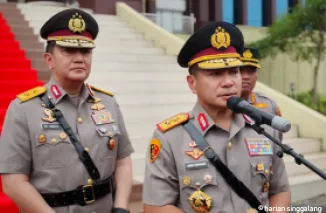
(48, 58)
(191, 80)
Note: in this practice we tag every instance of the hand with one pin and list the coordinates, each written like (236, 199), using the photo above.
(120, 210)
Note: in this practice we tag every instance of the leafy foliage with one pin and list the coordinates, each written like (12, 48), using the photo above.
(301, 34)
(306, 99)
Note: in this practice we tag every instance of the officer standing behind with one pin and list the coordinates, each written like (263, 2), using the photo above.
(178, 176)
(250, 59)
(64, 147)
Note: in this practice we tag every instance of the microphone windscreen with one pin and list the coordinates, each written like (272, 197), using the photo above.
(233, 102)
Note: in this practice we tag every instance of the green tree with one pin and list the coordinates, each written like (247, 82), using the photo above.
(301, 34)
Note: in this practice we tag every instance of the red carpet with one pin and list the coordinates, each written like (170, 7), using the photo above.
(16, 76)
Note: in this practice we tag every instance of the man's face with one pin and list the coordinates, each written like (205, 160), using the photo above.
(214, 87)
(70, 64)
(249, 78)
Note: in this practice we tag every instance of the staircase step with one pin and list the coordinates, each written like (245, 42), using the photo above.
(100, 50)
(305, 186)
(293, 133)
(303, 145)
(15, 87)
(293, 169)
(7, 36)
(14, 63)
(136, 192)
(143, 86)
(2, 117)
(7, 205)
(18, 74)
(116, 57)
(136, 207)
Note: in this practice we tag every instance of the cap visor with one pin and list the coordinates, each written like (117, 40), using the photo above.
(252, 64)
(220, 63)
(75, 44)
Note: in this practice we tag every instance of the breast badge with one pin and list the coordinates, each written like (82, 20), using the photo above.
(102, 117)
(195, 154)
(97, 106)
(200, 201)
(187, 181)
(42, 138)
(112, 143)
(50, 117)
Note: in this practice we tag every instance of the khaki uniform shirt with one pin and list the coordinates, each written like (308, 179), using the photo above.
(33, 146)
(263, 102)
(175, 170)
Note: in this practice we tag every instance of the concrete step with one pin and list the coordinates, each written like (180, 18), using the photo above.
(133, 58)
(127, 50)
(317, 159)
(293, 133)
(150, 98)
(109, 72)
(136, 207)
(153, 87)
(305, 186)
(303, 145)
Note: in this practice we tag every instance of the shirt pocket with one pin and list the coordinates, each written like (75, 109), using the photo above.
(106, 147)
(199, 189)
(261, 170)
(53, 150)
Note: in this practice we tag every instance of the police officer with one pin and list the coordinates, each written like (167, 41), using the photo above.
(250, 59)
(179, 175)
(64, 146)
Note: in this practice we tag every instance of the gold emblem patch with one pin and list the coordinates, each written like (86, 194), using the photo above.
(195, 154)
(42, 138)
(77, 24)
(247, 54)
(154, 149)
(50, 117)
(200, 201)
(220, 38)
(187, 181)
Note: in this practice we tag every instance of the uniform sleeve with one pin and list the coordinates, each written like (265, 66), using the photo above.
(279, 179)
(15, 145)
(125, 147)
(161, 186)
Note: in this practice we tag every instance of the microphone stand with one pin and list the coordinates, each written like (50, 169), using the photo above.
(299, 159)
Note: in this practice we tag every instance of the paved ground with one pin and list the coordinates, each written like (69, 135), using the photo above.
(313, 205)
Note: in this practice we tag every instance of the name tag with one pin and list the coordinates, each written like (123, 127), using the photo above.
(259, 146)
(53, 126)
(196, 165)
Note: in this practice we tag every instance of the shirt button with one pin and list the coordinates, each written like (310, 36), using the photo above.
(54, 141)
(80, 120)
(229, 145)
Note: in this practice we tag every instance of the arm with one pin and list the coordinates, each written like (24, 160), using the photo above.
(161, 184)
(282, 199)
(123, 180)
(16, 162)
(162, 209)
(123, 168)
(25, 196)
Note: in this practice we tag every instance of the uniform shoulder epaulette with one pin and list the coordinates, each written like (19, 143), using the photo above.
(173, 122)
(32, 93)
(101, 90)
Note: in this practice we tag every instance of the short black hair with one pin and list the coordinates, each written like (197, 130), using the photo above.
(49, 46)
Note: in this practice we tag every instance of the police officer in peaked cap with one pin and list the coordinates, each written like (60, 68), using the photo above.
(179, 175)
(64, 146)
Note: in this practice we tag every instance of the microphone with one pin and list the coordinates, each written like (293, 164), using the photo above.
(239, 105)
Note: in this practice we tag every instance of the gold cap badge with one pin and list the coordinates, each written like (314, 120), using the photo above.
(77, 24)
(247, 54)
(220, 38)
